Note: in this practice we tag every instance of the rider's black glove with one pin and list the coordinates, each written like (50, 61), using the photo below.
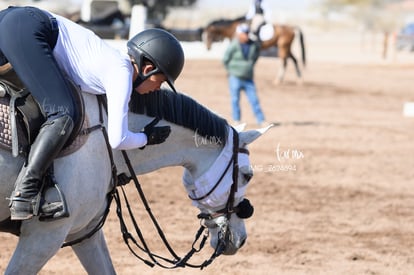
(156, 135)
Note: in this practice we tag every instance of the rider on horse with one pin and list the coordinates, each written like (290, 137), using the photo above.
(44, 49)
(258, 15)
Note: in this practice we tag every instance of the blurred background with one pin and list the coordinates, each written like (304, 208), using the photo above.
(348, 206)
(381, 26)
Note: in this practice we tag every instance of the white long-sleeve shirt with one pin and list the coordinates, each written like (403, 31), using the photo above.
(99, 69)
(267, 11)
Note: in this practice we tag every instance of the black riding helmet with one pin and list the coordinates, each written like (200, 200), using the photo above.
(162, 49)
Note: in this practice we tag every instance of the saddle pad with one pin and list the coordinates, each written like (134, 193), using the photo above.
(6, 132)
(266, 32)
(5, 127)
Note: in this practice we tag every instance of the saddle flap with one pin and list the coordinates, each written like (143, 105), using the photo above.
(32, 115)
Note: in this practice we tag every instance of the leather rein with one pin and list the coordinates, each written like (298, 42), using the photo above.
(119, 180)
(198, 243)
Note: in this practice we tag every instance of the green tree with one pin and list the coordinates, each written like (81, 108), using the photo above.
(158, 9)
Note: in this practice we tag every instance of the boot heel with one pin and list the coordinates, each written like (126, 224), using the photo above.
(21, 209)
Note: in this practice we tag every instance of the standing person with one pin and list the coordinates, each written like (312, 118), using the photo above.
(43, 47)
(258, 15)
(239, 60)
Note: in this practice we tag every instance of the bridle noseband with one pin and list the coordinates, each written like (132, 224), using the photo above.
(229, 208)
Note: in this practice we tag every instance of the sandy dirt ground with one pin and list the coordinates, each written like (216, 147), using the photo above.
(339, 201)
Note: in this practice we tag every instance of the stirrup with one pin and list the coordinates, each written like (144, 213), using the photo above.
(50, 211)
(26, 208)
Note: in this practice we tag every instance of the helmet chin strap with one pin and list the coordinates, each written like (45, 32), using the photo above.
(141, 77)
(138, 81)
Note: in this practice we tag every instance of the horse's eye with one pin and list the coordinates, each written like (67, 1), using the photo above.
(248, 176)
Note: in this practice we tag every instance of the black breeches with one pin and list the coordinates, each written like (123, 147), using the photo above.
(27, 39)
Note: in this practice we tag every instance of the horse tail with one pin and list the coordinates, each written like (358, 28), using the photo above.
(302, 45)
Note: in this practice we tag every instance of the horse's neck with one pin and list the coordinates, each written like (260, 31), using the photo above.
(182, 148)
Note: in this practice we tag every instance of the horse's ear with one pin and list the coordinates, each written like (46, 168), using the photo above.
(251, 135)
(239, 128)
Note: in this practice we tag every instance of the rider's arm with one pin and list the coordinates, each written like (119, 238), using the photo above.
(118, 91)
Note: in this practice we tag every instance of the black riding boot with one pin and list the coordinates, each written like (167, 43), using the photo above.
(47, 145)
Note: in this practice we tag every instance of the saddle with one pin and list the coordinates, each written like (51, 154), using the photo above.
(21, 116)
(20, 120)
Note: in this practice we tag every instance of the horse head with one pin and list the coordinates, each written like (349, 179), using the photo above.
(218, 30)
(214, 32)
(215, 159)
(220, 191)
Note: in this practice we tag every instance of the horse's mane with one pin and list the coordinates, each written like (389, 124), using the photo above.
(226, 22)
(181, 110)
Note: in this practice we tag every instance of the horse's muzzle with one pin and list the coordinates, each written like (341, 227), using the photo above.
(232, 248)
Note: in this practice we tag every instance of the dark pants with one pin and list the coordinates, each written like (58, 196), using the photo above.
(27, 38)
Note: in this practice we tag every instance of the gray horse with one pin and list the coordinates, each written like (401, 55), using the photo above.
(200, 141)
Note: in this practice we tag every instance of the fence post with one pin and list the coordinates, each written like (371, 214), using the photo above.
(138, 20)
